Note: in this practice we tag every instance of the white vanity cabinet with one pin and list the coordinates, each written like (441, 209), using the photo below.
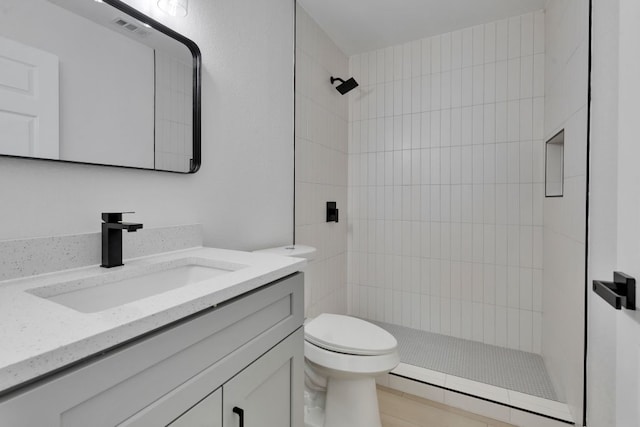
(246, 354)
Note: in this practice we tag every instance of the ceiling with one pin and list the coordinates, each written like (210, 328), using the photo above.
(358, 26)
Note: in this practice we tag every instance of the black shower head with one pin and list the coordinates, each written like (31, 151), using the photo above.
(345, 87)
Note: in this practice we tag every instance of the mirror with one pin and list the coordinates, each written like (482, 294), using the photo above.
(97, 82)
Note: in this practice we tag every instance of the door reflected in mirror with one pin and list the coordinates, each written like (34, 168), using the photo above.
(99, 83)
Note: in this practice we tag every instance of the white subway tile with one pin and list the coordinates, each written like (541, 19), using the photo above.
(407, 95)
(406, 61)
(466, 131)
(514, 37)
(513, 121)
(456, 127)
(373, 68)
(513, 79)
(489, 126)
(501, 326)
(489, 327)
(478, 325)
(425, 87)
(526, 204)
(397, 62)
(526, 77)
(426, 56)
(526, 247)
(478, 84)
(416, 58)
(501, 122)
(526, 162)
(445, 90)
(435, 129)
(456, 50)
(416, 95)
(467, 86)
(490, 42)
(467, 320)
(501, 81)
(445, 52)
(490, 83)
(526, 331)
(416, 131)
(425, 130)
(538, 75)
(478, 124)
(527, 37)
(478, 45)
(445, 166)
(436, 46)
(478, 164)
(436, 89)
(513, 328)
(388, 64)
(502, 40)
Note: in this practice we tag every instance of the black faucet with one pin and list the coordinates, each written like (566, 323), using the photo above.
(112, 237)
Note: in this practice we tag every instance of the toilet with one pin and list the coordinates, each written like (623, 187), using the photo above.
(343, 356)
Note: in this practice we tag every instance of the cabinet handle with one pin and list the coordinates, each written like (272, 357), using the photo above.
(240, 413)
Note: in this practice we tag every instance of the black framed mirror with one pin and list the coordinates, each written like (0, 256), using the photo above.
(97, 82)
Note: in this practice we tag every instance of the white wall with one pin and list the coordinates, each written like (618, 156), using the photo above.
(321, 165)
(566, 90)
(243, 195)
(446, 183)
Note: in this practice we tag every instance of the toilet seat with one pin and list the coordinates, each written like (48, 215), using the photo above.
(349, 335)
(330, 363)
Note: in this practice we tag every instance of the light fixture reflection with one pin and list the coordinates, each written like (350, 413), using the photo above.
(174, 7)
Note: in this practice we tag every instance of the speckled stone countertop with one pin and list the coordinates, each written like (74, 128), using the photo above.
(38, 336)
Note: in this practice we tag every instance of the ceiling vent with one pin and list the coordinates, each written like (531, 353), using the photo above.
(131, 27)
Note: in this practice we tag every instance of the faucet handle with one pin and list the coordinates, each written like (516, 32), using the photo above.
(111, 217)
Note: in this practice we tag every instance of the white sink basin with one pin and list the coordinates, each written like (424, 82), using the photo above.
(113, 289)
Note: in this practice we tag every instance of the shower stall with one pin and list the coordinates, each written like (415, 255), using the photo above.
(460, 162)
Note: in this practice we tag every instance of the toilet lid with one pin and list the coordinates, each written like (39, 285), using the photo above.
(345, 334)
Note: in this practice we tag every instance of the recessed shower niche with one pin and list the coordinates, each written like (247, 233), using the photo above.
(554, 166)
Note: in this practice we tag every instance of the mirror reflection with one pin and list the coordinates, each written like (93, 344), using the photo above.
(83, 81)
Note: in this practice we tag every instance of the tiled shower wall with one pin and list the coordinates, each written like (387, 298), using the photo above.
(321, 165)
(174, 100)
(446, 183)
(566, 107)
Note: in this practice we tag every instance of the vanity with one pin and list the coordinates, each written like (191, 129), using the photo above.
(219, 350)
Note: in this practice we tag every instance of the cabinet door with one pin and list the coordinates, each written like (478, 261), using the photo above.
(268, 393)
(207, 413)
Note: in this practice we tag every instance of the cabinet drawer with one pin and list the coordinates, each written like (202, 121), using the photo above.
(121, 382)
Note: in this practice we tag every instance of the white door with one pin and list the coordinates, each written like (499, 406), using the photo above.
(613, 357)
(628, 234)
(29, 113)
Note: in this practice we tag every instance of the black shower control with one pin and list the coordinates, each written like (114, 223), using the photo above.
(619, 293)
(332, 212)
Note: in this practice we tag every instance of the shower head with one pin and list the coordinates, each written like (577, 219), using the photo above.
(345, 87)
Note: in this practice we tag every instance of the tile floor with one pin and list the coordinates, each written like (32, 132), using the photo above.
(482, 363)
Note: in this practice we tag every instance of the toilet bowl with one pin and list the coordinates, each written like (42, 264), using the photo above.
(343, 356)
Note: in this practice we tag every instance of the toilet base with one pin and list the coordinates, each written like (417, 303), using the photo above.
(352, 403)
